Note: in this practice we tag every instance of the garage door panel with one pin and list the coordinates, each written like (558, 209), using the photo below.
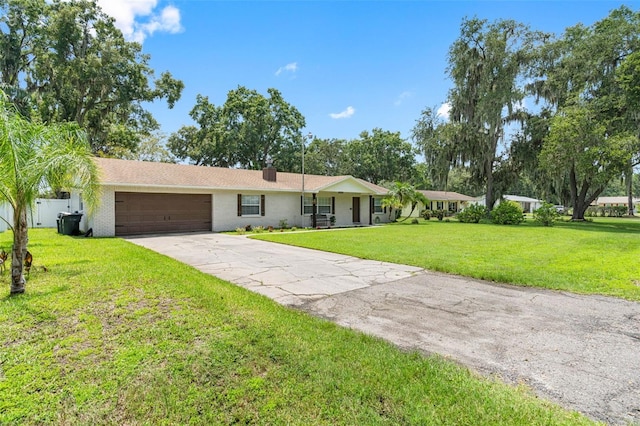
(144, 213)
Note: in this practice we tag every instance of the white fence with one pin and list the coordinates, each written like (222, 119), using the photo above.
(43, 215)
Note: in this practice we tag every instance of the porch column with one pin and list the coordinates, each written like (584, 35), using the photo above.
(314, 202)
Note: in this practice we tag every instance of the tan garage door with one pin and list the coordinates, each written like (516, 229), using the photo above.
(150, 213)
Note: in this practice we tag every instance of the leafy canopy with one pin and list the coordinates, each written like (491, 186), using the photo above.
(65, 61)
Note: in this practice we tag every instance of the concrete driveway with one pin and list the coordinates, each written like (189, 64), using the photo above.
(582, 352)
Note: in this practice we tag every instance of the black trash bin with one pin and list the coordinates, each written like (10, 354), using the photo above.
(59, 221)
(69, 223)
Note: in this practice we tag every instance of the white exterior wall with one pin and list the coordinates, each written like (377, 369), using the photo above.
(103, 220)
(343, 209)
(278, 206)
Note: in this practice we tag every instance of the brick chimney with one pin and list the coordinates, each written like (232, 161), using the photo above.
(269, 173)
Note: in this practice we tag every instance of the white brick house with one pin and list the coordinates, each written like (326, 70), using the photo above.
(145, 197)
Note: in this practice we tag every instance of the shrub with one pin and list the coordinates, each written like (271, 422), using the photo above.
(284, 224)
(248, 228)
(415, 221)
(425, 214)
(546, 214)
(439, 214)
(258, 229)
(472, 214)
(240, 231)
(619, 211)
(507, 213)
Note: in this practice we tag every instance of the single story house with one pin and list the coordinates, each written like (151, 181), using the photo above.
(450, 201)
(617, 201)
(140, 197)
(529, 205)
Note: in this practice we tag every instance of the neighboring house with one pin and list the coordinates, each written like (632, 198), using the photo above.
(617, 201)
(529, 205)
(452, 202)
(144, 197)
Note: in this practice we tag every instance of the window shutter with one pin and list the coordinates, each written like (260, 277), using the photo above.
(262, 197)
(302, 204)
(239, 204)
(333, 205)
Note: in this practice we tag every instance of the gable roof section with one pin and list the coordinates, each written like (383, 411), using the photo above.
(158, 175)
(350, 184)
(446, 196)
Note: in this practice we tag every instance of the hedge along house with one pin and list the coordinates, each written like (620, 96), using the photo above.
(144, 197)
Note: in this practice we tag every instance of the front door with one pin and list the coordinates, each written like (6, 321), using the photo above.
(355, 209)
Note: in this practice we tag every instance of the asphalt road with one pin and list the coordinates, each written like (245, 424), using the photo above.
(582, 352)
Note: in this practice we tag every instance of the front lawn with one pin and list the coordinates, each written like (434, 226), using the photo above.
(115, 334)
(599, 257)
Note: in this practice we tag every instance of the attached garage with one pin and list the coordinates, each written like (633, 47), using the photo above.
(144, 197)
(154, 213)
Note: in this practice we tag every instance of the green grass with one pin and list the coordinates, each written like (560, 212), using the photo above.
(116, 334)
(599, 257)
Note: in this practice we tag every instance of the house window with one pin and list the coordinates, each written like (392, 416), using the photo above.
(377, 205)
(453, 206)
(308, 204)
(440, 205)
(250, 205)
(324, 205)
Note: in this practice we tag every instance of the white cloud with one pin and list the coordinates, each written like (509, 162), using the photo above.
(128, 14)
(401, 97)
(292, 68)
(444, 109)
(344, 114)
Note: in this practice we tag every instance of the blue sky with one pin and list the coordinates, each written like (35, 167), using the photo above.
(347, 66)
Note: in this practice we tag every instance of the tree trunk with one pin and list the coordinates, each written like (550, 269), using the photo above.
(20, 240)
(413, 207)
(578, 211)
(582, 201)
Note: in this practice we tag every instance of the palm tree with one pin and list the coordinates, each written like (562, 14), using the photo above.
(406, 195)
(392, 203)
(35, 157)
